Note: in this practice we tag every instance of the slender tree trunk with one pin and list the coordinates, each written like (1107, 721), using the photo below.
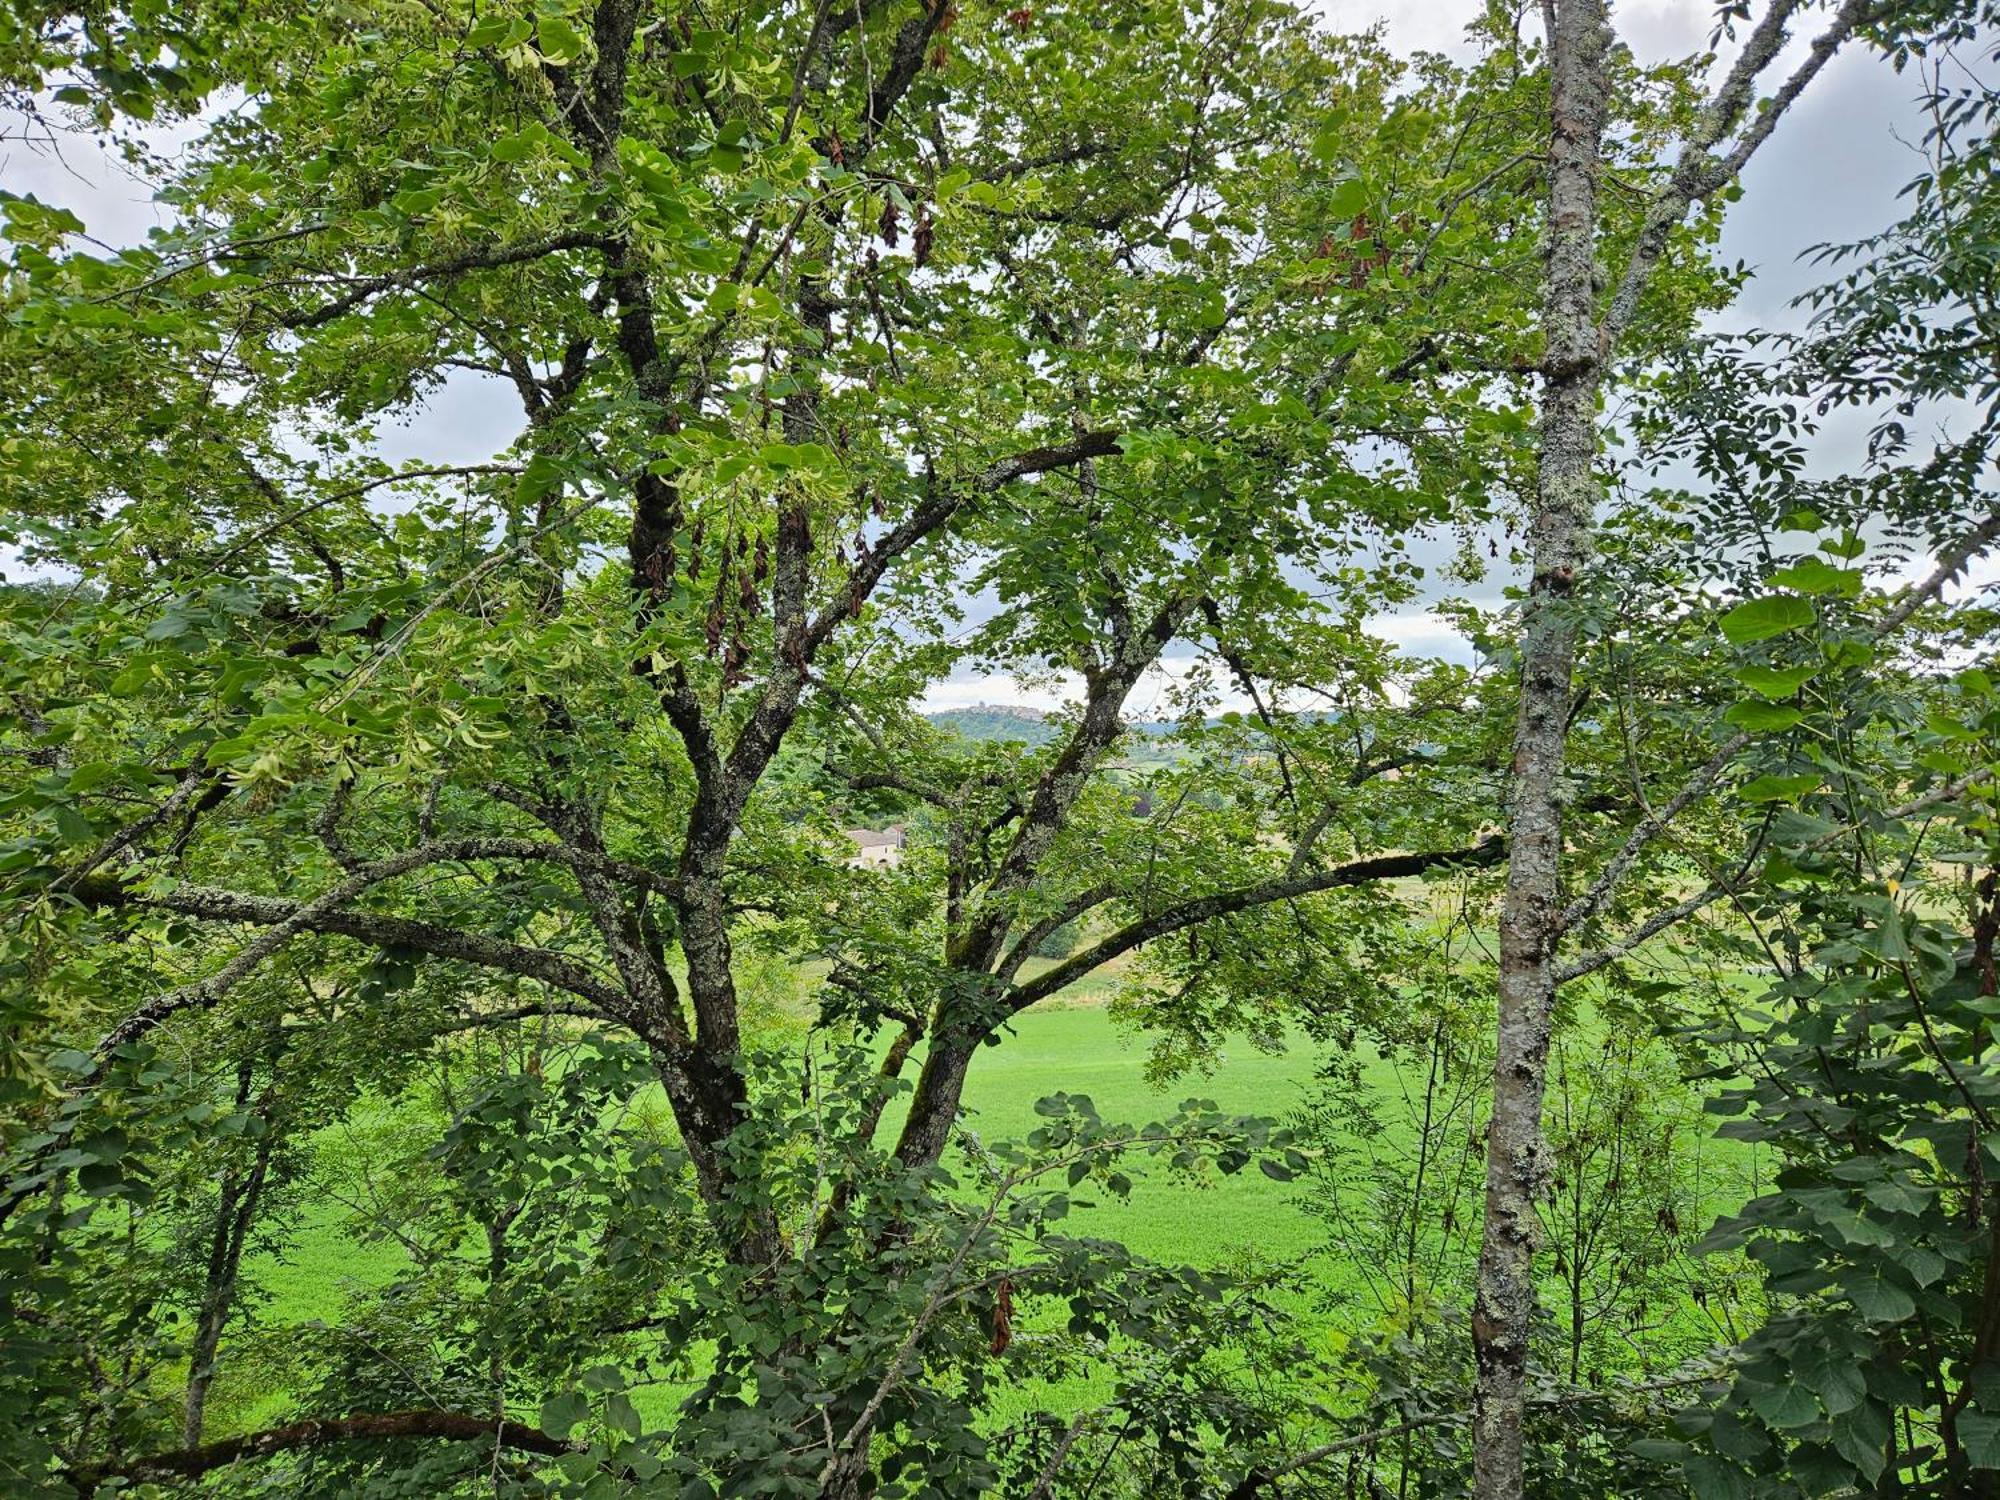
(1981, 1196)
(234, 1214)
(1566, 493)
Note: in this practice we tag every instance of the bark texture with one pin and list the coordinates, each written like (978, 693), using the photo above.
(1578, 345)
(1567, 490)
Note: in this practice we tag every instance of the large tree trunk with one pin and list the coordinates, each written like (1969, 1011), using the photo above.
(934, 1105)
(1566, 493)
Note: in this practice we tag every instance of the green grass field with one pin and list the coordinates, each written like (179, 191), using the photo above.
(1074, 1049)
(1081, 1050)
(1059, 1047)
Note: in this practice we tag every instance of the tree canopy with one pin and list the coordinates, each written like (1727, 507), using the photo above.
(494, 805)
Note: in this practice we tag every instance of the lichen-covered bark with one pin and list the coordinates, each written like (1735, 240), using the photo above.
(1578, 344)
(1559, 535)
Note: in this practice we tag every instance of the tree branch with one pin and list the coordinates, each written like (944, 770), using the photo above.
(492, 257)
(868, 569)
(450, 1426)
(473, 1020)
(1697, 173)
(1069, 911)
(1653, 825)
(1650, 827)
(1488, 851)
(1680, 911)
(288, 918)
(1261, 1477)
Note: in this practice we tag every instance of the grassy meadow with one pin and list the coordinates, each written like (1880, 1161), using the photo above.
(1072, 1046)
(1076, 1049)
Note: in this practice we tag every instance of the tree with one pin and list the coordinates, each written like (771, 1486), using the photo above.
(814, 321)
(1151, 329)
(1583, 333)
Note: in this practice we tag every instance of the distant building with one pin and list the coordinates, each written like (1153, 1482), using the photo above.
(876, 848)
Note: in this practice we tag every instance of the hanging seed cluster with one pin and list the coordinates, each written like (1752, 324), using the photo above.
(735, 597)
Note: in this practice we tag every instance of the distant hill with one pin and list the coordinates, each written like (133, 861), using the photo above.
(1001, 723)
(993, 723)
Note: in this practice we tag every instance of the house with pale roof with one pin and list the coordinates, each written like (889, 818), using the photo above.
(876, 848)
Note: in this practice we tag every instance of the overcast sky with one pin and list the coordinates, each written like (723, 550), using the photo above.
(1830, 173)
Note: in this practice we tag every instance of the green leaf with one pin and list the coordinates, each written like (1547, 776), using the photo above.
(1859, 1436)
(500, 32)
(1349, 197)
(1774, 682)
(1888, 939)
(541, 476)
(72, 827)
(1924, 1264)
(1979, 1437)
(1761, 619)
(1660, 1450)
(1815, 575)
(99, 1178)
(560, 42)
(92, 775)
(1785, 1405)
(1762, 718)
(562, 1412)
(1791, 828)
(1713, 1478)
(414, 203)
(1877, 1300)
(623, 1415)
(520, 145)
(1778, 788)
(1833, 1377)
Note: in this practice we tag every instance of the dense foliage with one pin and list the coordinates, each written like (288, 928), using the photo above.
(447, 858)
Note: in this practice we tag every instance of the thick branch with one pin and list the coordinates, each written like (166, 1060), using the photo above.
(1698, 172)
(208, 903)
(1488, 851)
(1059, 787)
(473, 1020)
(906, 60)
(450, 1426)
(1068, 912)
